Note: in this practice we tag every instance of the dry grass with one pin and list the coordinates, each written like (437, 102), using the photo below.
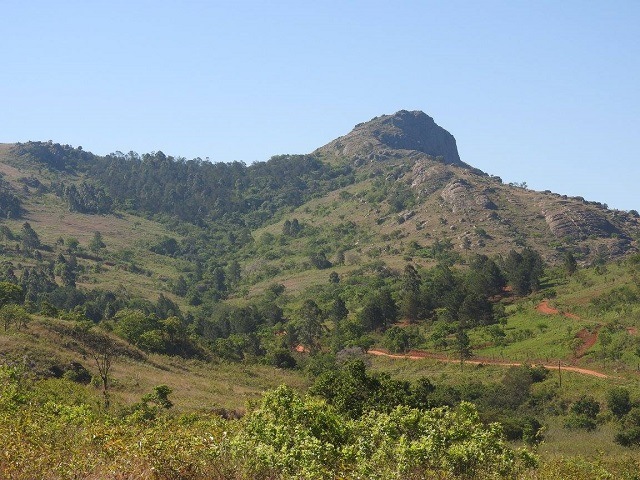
(196, 385)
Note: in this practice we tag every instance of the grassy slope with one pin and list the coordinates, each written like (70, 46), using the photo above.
(196, 385)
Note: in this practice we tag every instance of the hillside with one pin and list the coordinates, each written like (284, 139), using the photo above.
(201, 240)
(225, 280)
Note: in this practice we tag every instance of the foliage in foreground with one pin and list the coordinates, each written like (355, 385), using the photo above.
(55, 427)
(306, 438)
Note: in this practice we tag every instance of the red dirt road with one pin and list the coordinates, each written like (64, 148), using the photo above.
(589, 339)
(419, 355)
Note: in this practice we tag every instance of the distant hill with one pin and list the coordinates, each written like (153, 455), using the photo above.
(170, 235)
(397, 179)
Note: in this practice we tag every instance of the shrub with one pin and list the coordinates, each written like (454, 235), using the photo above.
(618, 401)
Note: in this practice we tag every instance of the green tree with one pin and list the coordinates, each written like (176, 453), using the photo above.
(104, 350)
(309, 326)
(462, 345)
(523, 270)
(233, 272)
(286, 228)
(160, 396)
(570, 264)
(410, 293)
(338, 310)
(379, 311)
(11, 314)
(484, 277)
(476, 310)
(97, 243)
(72, 244)
(67, 275)
(29, 237)
(181, 288)
(135, 327)
(401, 339)
(583, 413)
(619, 401)
(10, 293)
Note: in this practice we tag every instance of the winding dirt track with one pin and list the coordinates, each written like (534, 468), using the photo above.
(420, 355)
(544, 307)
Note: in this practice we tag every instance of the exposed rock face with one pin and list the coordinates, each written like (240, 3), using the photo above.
(577, 222)
(383, 136)
(409, 147)
(417, 131)
(460, 196)
(430, 178)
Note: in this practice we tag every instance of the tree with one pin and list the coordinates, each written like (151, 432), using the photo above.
(476, 310)
(309, 324)
(286, 228)
(10, 293)
(619, 402)
(410, 303)
(233, 272)
(338, 310)
(72, 244)
(67, 275)
(320, 261)
(583, 413)
(462, 345)
(569, 263)
(104, 350)
(181, 288)
(379, 311)
(11, 314)
(523, 270)
(401, 339)
(160, 396)
(30, 239)
(133, 324)
(96, 244)
(484, 277)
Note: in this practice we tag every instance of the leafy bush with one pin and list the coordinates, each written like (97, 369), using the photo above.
(618, 401)
(292, 437)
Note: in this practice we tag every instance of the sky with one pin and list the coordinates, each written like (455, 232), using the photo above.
(542, 92)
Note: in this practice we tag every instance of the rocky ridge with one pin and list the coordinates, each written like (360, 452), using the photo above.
(457, 194)
(395, 136)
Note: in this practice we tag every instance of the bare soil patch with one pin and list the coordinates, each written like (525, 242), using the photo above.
(589, 339)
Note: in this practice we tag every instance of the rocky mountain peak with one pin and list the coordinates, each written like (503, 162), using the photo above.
(405, 131)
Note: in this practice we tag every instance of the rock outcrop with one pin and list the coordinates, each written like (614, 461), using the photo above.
(577, 222)
(429, 178)
(393, 136)
(460, 196)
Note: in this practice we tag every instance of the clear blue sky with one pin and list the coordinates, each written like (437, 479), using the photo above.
(545, 92)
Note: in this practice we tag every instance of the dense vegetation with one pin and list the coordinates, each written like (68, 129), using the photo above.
(241, 270)
(53, 427)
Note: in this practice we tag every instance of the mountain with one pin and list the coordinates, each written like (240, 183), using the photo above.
(397, 178)
(395, 136)
(218, 281)
(475, 210)
(188, 237)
